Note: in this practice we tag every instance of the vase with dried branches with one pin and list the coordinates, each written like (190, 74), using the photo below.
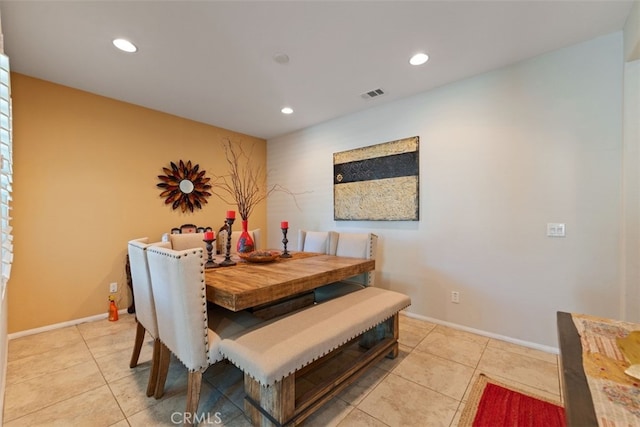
(245, 185)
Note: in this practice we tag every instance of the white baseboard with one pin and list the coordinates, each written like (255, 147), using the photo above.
(547, 349)
(62, 325)
(528, 344)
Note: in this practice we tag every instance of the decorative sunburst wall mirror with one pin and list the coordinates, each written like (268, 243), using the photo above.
(184, 186)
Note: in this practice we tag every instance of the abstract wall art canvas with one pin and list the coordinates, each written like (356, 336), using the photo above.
(377, 183)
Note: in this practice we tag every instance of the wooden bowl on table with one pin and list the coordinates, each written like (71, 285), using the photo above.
(259, 256)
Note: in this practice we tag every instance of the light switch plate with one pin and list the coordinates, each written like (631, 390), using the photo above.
(555, 229)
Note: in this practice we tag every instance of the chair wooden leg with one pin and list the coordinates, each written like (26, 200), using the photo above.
(155, 367)
(137, 346)
(163, 369)
(193, 394)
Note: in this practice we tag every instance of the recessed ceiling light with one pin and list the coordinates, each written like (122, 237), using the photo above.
(419, 59)
(287, 110)
(125, 45)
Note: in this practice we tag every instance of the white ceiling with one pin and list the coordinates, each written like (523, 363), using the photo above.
(212, 61)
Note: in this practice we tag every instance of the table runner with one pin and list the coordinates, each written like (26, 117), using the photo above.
(616, 395)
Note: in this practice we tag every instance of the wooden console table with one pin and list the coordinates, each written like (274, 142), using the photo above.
(578, 403)
(596, 387)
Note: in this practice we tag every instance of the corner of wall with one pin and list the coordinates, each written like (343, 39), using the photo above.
(632, 34)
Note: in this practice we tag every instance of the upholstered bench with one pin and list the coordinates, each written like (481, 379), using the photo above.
(271, 353)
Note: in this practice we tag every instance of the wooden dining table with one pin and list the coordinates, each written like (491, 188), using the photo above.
(248, 285)
(578, 403)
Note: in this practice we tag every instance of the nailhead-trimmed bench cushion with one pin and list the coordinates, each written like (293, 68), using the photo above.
(275, 349)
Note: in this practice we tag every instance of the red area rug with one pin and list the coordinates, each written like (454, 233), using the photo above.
(495, 404)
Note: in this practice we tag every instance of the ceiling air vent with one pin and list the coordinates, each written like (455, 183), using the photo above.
(372, 93)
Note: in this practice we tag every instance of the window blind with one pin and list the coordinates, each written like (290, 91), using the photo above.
(6, 173)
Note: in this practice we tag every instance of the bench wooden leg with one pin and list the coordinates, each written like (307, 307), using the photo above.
(395, 328)
(278, 400)
(137, 346)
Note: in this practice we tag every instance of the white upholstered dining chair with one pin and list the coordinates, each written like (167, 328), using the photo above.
(355, 245)
(324, 242)
(145, 306)
(185, 326)
(180, 242)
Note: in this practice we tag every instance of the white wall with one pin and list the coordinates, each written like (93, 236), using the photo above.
(631, 169)
(631, 194)
(501, 155)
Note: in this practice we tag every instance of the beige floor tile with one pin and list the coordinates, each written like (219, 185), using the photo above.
(522, 369)
(94, 408)
(406, 320)
(479, 339)
(473, 380)
(525, 351)
(330, 414)
(103, 345)
(44, 341)
(131, 391)
(29, 367)
(116, 365)
(32, 395)
(227, 379)
(411, 335)
(444, 376)
(452, 347)
(456, 417)
(102, 327)
(123, 423)
(239, 421)
(213, 409)
(358, 418)
(400, 402)
(363, 386)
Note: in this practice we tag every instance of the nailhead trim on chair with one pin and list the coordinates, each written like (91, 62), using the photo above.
(179, 256)
(203, 289)
(371, 256)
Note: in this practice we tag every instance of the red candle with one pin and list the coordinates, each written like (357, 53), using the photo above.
(284, 224)
(209, 235)
(231, 214)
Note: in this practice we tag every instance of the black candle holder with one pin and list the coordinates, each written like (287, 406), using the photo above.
(210, 262)
(227, 257)
(285, 254)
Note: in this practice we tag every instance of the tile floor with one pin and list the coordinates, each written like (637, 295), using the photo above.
(80, 375)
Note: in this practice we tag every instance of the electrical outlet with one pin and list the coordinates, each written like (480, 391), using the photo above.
(455, 297)
(113, 287)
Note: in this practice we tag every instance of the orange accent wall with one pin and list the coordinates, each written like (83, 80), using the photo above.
(85, 175)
